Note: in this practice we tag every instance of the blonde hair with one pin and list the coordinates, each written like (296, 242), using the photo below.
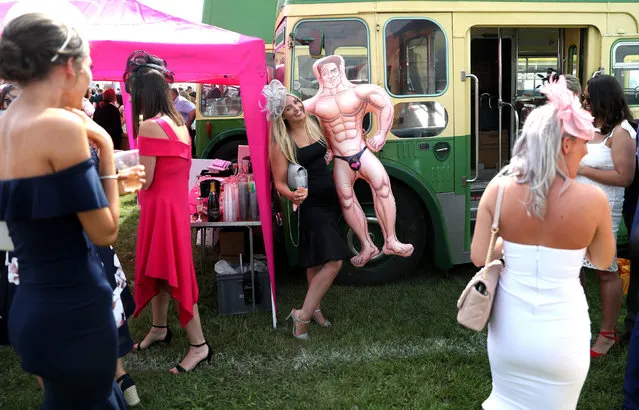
(573, 84)
(537, 159)
(280, 134)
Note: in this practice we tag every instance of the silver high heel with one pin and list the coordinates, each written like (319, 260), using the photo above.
(326, 323)
(296, 319)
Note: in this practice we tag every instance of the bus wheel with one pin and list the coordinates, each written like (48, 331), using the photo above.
(228, 150)
(410, 226)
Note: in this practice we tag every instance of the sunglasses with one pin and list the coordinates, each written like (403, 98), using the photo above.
(585, 99)
(9, 99)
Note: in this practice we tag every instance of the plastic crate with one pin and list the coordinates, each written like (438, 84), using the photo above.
(234, 293)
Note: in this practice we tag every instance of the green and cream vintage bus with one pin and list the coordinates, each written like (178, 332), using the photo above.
(462, 76)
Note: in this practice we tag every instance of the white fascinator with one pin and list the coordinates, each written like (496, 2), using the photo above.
(275, 94)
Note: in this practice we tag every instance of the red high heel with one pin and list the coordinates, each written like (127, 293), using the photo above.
(607, 335)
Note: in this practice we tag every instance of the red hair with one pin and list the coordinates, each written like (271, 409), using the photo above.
(108, 96)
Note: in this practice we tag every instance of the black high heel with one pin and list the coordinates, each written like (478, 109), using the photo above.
(208, 357)
(166, 341)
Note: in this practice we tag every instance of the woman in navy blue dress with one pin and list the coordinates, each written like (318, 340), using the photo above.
(55, 203)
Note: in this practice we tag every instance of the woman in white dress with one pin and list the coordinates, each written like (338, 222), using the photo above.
(610, 165)
(539, 330)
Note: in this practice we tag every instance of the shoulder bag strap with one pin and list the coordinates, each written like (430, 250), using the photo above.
(495, 227)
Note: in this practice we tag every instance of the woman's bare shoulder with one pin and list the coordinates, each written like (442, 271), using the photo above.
(151, 129)
(586, 195)
(59, 125)
(621, 133)
(493, 186)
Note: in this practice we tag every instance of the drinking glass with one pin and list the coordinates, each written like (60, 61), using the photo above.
(124, 163)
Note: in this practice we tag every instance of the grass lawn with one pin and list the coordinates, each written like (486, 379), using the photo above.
(392, 346)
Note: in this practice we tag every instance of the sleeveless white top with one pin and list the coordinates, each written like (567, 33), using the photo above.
(600, 156)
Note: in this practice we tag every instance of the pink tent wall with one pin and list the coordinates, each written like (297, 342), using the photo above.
(196, 53)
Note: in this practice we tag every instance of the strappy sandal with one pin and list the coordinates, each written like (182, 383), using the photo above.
(296, 320)
(129, 390)
(208, 357)
(326, 323)
(166, 341)
(608, 335)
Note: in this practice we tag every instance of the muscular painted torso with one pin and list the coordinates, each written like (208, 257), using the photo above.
(341, 106)
(341, 116)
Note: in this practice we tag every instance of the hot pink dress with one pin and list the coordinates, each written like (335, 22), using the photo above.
(163, 250)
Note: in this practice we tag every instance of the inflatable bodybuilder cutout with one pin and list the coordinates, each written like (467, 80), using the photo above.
(341, 106)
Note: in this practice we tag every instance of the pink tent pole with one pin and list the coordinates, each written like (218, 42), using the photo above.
(256, 126)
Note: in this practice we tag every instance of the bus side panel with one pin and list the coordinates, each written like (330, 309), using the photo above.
(209, 137)
(438, 239)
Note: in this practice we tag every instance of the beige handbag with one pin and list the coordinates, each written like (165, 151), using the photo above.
(476, 301)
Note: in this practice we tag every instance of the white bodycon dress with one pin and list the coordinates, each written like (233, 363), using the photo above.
(539, 330)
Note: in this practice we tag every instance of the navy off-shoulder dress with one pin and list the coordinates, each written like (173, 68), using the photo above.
(61, 322)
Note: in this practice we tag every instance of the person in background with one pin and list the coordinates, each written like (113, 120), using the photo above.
(609, 165)
(187, 110)
(573, 84)
(8, 94)
(97, 97)
(539, 329)
(87, 107)
(107, 115)
(164, 257)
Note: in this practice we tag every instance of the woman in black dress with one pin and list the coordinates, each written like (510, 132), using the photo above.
(298, 139)
(107, 115)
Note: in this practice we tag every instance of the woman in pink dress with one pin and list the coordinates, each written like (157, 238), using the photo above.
(164, 260)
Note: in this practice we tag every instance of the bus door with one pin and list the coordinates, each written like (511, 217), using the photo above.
(511, 65)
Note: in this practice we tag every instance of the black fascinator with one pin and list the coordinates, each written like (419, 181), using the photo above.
(142, 62)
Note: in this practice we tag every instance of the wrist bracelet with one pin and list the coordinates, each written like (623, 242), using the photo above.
(115, 176)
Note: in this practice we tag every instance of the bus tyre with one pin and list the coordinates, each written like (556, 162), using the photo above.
(228, 150)
(411, 228)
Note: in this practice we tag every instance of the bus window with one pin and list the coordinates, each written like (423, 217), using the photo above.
(419, 119)
(572, 60)
(415, 57)
(533, 72)
(270, 65)
(348, 38)
(625, 68)
(279, 65)
(220, 100)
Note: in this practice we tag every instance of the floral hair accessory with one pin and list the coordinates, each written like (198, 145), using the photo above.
(275, 94)
(574, 120)
(140, 60)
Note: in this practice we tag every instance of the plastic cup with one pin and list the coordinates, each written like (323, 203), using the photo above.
(244, 200)
(126, 159)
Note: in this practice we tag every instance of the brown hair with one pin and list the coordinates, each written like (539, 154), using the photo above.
(6, 90)
(147, 79)
(32, 44)
(330, 59)
(608, 102)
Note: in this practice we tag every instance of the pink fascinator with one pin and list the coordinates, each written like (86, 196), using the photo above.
(574, 120)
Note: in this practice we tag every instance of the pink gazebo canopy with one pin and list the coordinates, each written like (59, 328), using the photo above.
(196, 53)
